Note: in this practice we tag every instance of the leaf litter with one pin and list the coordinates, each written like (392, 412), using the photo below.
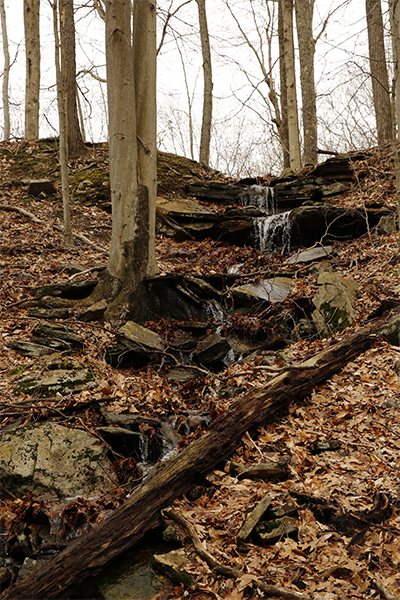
(347, 499)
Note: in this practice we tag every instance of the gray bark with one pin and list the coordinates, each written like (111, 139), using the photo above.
(62, 115)
(6, 72)
(379, 73)
(304, 16)
(293, 123)
(208, 85)
(32, 78)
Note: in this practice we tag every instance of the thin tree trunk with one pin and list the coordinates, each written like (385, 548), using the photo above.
(62, 102)
(6, 72)
(89, 554)
(394, 10)
(76, 146)
(293, 123)
(379, 73)
(304, 17)
(144, 44)
(283, 129)
(32, 80)
(208, 85)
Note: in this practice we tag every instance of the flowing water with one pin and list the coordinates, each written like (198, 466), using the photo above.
(272, 231)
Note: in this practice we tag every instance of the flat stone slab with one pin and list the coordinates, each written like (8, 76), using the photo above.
(184, 208)
(269, 290)
(271, 532)
(310, 255)
(44, 457)
(61, 381)
(146, 338)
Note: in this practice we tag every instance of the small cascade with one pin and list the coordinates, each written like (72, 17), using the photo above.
(262, 197)
(272, 234)
(213, 310)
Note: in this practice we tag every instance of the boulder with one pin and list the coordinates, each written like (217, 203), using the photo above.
(211, 350)
(172, 563)
(334, 302)
(137, 346)
(44, 458)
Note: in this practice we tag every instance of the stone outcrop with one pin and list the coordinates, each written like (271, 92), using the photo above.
(334, 302)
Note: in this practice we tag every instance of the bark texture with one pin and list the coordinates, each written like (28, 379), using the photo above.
(32, 78)
(89, 554)
(379, 73)
(208, 85)
(6, 72)
(288, 57)
(283, 129)
(76, 146)
(132, 143)
(304, 18)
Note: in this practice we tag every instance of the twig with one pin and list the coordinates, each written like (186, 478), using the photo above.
(270, 590)
(382, 590)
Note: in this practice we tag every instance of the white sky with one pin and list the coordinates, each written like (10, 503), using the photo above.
(238, 131)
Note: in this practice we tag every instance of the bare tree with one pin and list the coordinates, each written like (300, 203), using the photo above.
(6, 72)
(288, 57)
(32, 58)
(76, 146)
(62, 117)
(379, 72)
(131, 91)
(304, 17)
(208, 84)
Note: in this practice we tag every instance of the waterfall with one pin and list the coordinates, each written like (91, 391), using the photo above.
(262, 197)
(272, 234)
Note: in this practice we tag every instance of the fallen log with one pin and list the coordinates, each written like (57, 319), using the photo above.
(61, 576)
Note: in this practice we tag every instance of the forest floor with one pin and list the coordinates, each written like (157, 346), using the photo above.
(353, 553)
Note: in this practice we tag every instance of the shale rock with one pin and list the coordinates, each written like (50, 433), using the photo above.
(334, 302)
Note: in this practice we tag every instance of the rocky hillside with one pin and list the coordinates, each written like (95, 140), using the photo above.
(307, 503)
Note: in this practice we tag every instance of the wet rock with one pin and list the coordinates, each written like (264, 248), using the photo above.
(61, 381)
(334, 302)
(131, 421)
(270, 532)
(328, 446)
(268, 290)
(172, 535)
(124, 441)
(137, 346)
(172, 565)
(254, 518)
(44, 457)
(211, 350)
(201, 287)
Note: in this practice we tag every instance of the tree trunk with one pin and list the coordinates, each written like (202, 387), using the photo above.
(62, 110)
(283, 129)
(288, 57)
(304, 17)
(144, 44)
(131, 98)
(76, 146)
(208, 85)
(90, 553)
(379, 73)
(32, 81)
(394, 10)
(6, 72)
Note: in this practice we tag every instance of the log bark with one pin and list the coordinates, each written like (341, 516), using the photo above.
(87, 556)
